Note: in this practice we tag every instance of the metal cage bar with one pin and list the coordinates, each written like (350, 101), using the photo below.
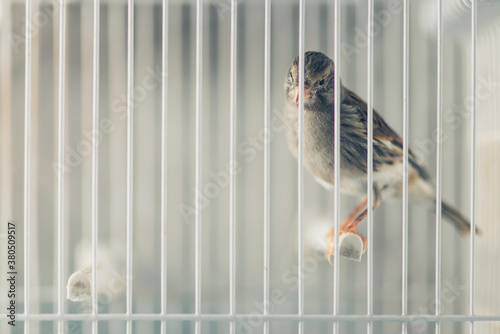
(60, 157)
(249, 316)
(198, 157)
(369, 165)
(473, 162)
(267, 160)
(439, 158)
(337, 143)
(404, 265)
(300, 167)
(232, 159)
(27, 164)
(95, 162)
(130, 160)
(164, 160)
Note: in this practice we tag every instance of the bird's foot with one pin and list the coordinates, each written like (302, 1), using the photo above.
(349, 244)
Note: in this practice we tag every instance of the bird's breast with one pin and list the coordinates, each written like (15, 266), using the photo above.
(318, 148)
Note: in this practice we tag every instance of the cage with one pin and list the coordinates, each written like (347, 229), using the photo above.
(143, 147)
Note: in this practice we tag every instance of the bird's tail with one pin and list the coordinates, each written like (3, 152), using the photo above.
(458, 220)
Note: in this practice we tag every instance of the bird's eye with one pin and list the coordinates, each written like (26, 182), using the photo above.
(322, 82)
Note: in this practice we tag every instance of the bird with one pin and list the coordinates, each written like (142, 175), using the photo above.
(319, 147)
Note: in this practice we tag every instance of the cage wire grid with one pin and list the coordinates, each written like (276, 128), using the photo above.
(120, 207)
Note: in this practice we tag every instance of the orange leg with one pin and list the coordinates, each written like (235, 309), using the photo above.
(349, 225)
(354, 213)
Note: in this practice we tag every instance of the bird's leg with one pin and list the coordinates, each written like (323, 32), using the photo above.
(353, 214)
(350, 224)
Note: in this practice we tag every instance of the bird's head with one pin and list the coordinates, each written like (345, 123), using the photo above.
(318, 84)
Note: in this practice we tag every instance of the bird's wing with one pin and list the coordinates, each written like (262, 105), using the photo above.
(383, 133)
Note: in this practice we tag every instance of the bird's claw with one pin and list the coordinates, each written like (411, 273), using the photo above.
(329, 257)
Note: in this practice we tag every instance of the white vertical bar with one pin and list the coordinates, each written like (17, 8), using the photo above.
(369, 165)
(300, 162)
(439, 159)
(27, 154)
(95, 162)
(130, 160)
(232, 158)
(60, 157)
(85, 121)
(267, 158)
(336, 190)
(473, 161)
(198, 156)
(116, 172)
(35, 176)
(404, 267)
(163, 190)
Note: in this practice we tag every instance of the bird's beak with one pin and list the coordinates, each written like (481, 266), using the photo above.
(307, 93)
